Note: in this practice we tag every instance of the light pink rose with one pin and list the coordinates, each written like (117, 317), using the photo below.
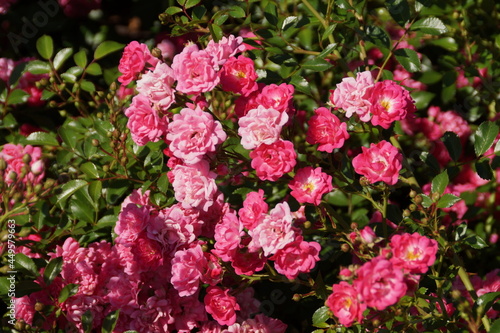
(135, 58)
(326, 130)
(380, 283)
(346, 303)
(194, 185)
(221, 305)
(158, 86)
(273, 161)
(193, 134)
(145, 123)
(351, 95)
(225, 48)
(238, 76)
(380, 162)
(413, 253)
(6, 65)
(260, 126)
(194, 70)
(389, 102)
(309, 185)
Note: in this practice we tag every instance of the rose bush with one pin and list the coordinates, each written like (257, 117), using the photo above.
(250, 166)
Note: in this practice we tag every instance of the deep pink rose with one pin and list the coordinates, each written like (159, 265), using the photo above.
(221, 305)
(380, 283)
(135, 58)
(254, 209)
(346, 303)
(273, 161)
(227, 236)
(277, 97)
(296, 257)
(413, 253)
(380, 162)
(309, 185)
(238, 76)
(187, 268)
(390, 102)
(326, 130)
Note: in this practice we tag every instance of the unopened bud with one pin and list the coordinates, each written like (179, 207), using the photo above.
(424, 220)
(435, 196)
(95, 142)
(99, 115)
(413, 194)
(354, 226)
(412, 207)
(27, 158)
(105, 168)
(20, 325)
(38, 188)
(363, 181)
(3, 164)
(39, 306)
(418, 199)
(297, 297)
(456, 294)
(13, 176)
(406, 213)
(156, 52)
(345, 248)
(112, 86)
(307, 224)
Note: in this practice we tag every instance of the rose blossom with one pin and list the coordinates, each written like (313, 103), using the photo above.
(346, 303)
(380, 283)
(144, 122)
(194, 70)
(193, 134)
(254, 209)
(261, 125)
(352, 96)
(238, 76)
(274, 232)
(158, 86)
(309, 185)
(326, 130)
(296, 257)
(227, 236)
(194, 185)
(135, 57)
(380, 162)
(276, 97)
(187, 267)
(221, 305)
(413, 253)
(225, 48)
(389, 102)
(273, 161)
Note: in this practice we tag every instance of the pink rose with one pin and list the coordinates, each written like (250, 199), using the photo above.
(194, 185)
(193, 134)
(389, 102)
(221, 305)
(413, 253)
(346, 304)
(135, 57)
(145, 123)
(158, 86)
(227, 236)
(309, 185)
(352, 95)
(238, 76)
(187, 268)
(194, 70)
(273, 161)
(380, 162)
(260, 126)
(296, 257)
(380, 283)
(277, 97)
(326, 130)
(225, 48)
(254, 209)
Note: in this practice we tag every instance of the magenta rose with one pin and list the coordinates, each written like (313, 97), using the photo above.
(135, 58)
(380, 162)
(273, 161)
(221, 305)
(413, 253)
(310, 184)
(346, 304)
(238, 75)
(326, 130)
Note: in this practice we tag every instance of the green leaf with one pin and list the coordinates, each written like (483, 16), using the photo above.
(301, 84)
(447, 200)
(80, 58)
(320, 316)
(236, 12)
(172, 10)
(95, 190)
(399, 10)
(495, 327)
(289, 22)
(68, 77)
(328, 31)
(106, 48)
(378, 36)
(68, 291)
(476, 242)
(87, 86)
(89, 169)
(38, 67)
(215, 31)
(427, 201)
(54, 267)
(87, 321)
(23, 262)
(45, 46)
(62, 56)
(69, 189)
(271, 13)
(94, 69)
(453, 145)
(422, 98)
(68, 136)
(317, 65)
(111, 319)
(191, 3)
(447, 43)
(430, 25)
(327, 51)
(486, 301)
(483, 169)
(42, 139)
(461, 231)
(408, 58)
(485, 136)
(17, 96)
(440, 182)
